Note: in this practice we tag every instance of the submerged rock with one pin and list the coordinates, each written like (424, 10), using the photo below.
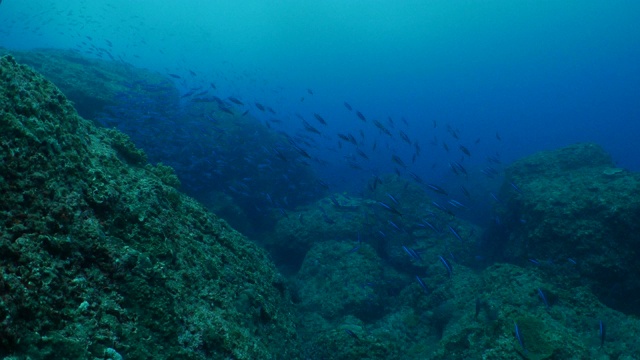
(101, 257)
(572, 210)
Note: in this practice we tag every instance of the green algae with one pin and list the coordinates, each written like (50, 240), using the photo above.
(102, 257)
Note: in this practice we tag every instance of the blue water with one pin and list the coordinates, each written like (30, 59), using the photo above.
(473, 85)
(538, 75)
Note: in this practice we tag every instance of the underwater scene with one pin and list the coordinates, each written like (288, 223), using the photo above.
(319, 180)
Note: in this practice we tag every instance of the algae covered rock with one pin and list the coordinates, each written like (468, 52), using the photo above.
(101, 257)
(571, 208)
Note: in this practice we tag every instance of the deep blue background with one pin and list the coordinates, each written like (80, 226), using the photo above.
(541, 74)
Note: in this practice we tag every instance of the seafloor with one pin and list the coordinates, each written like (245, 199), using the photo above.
(102, 257)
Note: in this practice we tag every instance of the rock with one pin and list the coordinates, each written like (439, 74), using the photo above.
(102, 257)
(573, 204)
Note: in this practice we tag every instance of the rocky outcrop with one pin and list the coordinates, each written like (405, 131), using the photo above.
(101, 256)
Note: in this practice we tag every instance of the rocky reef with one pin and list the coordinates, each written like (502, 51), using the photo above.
(101, 256)
(359, 295)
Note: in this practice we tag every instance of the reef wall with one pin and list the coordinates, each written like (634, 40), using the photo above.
(101, 256)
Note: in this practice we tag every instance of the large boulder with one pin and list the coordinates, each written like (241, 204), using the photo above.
(572, 209)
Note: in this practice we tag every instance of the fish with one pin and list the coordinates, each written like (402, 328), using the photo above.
(404, 137)
(417, 178)
(456, 204)
(453, 132)
(260, 107)
(175, 76)
(352, 334)
(227, 110)
(430, 225)
(465, 192)
(515, 187)
(465, 150)
(478, 307)
(320, 119)
(382, 128)
(187, 94)
(394, 226)
(360, 116)
(335, 201)
(494, 159)
(437, 189)
(310, 128)
(322, 184)
(362, 154)
(348, 106)
(519, 336)
(396, 159)
(544, 298)
(442, 208)
(414, 255)
(446, 265)
(422, 285)
(490, 172)
(376, 181)
(389, 208)
(458, 167)
(235, 100)
(280, 155)
(602, 331)
(302, 151)
(454, 232)
(392, 198)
